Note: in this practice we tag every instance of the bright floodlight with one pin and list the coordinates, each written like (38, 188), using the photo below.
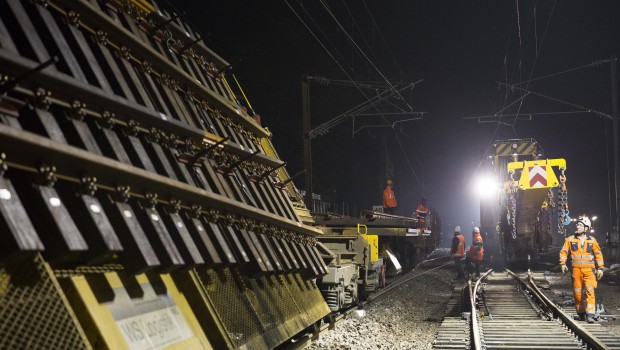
(594, 218)
(486, 186)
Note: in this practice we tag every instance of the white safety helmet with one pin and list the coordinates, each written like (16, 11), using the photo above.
(476, 230)
(457, 229)
(585, 221)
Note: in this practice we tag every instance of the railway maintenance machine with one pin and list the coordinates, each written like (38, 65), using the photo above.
(141, 204)
(359, 251)
(524, 211)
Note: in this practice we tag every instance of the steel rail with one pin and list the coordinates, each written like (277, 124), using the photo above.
(66, 89)
(548, 305)
(544, 303)
(27, 151)
(93, 18)
(473, 293)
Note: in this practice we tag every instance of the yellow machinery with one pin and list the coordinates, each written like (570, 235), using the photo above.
(353, 263)
(527, 200)
(351, 249)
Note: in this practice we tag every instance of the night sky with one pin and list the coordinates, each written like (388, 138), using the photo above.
(461, 50)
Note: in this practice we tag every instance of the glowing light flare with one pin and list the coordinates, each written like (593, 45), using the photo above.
(486, 186)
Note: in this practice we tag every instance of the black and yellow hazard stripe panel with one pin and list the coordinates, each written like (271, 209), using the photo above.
(520, 148)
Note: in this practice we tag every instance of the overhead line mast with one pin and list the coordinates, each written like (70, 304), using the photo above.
(310, 133)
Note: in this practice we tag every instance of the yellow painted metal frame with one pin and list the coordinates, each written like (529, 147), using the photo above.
(372, 240)
(548, 164)
(103, 320)
(144, 5)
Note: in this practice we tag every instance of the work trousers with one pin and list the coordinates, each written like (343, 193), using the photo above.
(476, 265)
(584, 278)
(459, 267)
(389, 210)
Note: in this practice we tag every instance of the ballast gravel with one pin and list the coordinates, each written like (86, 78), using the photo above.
(406, 317)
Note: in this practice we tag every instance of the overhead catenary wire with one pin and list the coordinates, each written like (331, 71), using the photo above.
(593, 64)
(517, 68)
(591, 110)
(392, 87)
(374, 85)
(344, 3)
(374, 23)
(499, 121)
(334, 47)
(385, 78)
(520, 55)
(330, 12)
(536, 57)
(355, 111)
(385, 126)
(525, 114)
(504, 106)
(326, 49)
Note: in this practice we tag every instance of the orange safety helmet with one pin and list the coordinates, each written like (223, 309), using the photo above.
(389, 182)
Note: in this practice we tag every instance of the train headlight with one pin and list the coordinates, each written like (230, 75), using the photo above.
(486, 186)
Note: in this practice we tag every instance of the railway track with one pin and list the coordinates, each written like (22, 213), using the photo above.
(511, 312)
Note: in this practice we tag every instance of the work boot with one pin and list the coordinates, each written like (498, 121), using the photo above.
(590, 319)
(581, 316)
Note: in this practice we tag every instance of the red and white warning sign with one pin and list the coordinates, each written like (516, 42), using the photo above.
(538, 176)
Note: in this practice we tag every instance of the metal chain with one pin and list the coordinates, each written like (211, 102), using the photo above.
(550, 204)
(543, 220)
(563, 218)
(513, 206)
(512, 220)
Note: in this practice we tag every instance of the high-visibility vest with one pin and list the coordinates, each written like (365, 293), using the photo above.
(476, 250)
(389, 200)
(460, 251)
(421, 212)
(583, 255)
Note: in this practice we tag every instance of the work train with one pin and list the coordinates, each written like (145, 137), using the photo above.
(142, 202)
(360, 251)
(531, 206)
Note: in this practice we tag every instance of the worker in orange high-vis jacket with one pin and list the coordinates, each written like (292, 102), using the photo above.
(457, 251)
(421, 213)
(587, 263)
(476, 252)
(389, 199)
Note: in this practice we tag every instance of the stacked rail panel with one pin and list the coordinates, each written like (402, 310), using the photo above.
(132, 173)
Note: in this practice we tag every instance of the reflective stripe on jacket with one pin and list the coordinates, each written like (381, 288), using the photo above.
(389, 200)
(586, 255)
(458, 249)
(421, 212)
(476, 250)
